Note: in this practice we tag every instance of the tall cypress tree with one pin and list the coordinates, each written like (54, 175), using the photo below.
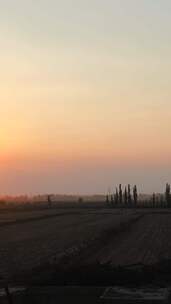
(129, 195)
(167, 195)
(120, 194)
(116, 197)
(112, 199)
(125, 197)
(135, 195)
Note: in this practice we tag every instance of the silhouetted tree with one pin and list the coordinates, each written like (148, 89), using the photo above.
(120, 194)
(157, 201)
(167, 195)
(129, 196)
(116, 197)
(80, 200)
(135, 195)
(154, 200)
(49, 200)
(162, 204)
(125, 197)
(112, 200)
(107, 199)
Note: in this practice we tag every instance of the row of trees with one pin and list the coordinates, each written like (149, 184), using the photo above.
(128, 198)
(162, 200)
(123, 198)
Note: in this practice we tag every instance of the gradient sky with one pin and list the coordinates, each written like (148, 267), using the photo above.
(85, 92)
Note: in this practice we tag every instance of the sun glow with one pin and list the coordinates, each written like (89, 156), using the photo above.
(81, 98)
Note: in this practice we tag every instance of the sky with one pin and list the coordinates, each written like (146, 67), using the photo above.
(85, 95)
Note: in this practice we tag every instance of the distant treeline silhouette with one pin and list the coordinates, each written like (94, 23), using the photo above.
(129, 198)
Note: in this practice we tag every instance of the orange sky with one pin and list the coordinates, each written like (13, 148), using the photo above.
(81, 98)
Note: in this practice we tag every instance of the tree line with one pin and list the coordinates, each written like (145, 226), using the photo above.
(129, 197)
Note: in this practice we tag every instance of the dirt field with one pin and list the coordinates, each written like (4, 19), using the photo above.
(147, 242)
(119, 236)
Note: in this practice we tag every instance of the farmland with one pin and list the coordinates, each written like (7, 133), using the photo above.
(82, 236)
